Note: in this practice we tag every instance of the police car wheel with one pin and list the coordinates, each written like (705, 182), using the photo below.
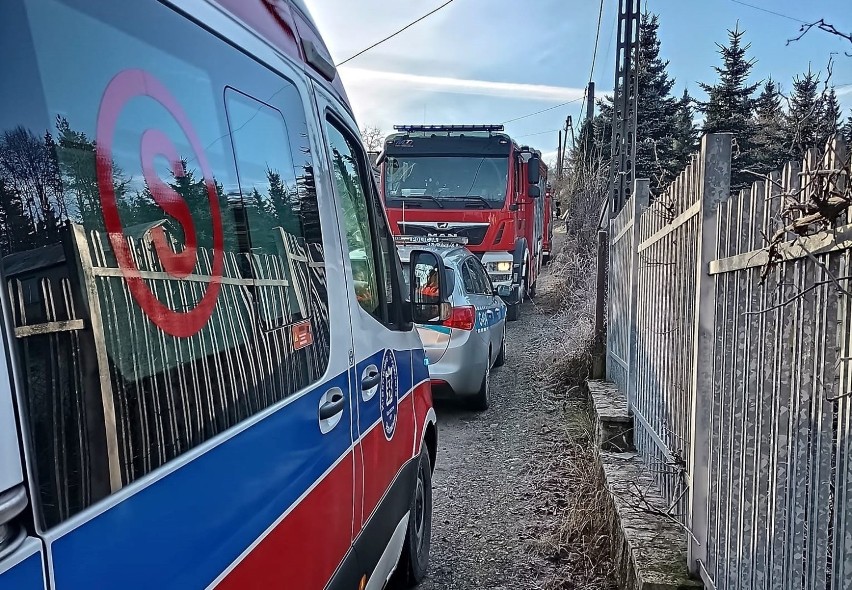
(501, 358)
(414, 560)
(482, 399)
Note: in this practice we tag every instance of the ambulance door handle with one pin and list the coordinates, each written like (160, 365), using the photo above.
(370, 378)
(331, 406)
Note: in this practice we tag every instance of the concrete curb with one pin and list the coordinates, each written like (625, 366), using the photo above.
(649, 549)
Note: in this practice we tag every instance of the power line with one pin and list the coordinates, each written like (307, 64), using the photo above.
(538, 133)
(597, 36)
(544, 110)
(392, 35)
(594, 58)
(787, 16)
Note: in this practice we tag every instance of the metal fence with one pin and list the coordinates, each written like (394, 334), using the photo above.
(736, 361)
(99, 373)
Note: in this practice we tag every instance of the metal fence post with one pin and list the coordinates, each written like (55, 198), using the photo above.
(641, 199)
(601, 306)
(714, 187)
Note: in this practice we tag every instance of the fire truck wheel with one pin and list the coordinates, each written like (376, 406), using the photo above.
(512, 312)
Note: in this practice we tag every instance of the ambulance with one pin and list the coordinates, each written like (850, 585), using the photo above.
(197, 390)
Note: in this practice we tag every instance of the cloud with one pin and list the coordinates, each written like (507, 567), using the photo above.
(540, 92)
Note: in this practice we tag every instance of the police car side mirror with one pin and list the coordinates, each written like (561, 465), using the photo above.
(428, 290)
(504, 290)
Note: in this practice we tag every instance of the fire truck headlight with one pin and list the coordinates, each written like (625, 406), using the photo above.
(502, 266)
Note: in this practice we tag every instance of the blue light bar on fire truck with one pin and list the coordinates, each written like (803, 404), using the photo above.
(447, 128)
(431, 240)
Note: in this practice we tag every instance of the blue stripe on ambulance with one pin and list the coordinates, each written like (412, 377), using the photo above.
(195, 520)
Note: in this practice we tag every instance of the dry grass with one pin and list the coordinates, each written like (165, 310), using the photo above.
(574, 492)
(576, 536)
(569, 297)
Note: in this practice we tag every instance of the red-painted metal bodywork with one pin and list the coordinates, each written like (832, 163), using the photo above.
(514, 221)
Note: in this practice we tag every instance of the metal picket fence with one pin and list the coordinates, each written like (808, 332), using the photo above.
(737, 368)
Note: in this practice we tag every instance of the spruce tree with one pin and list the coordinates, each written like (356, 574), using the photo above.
(730, 105)
(686, 133)
(771, 139)
(805, 117)
(657, 110)
(846, 131)
(830, 119)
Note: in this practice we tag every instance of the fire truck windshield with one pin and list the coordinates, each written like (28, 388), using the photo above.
(447, 181)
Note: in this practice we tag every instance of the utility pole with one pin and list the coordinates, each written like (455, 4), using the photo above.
(559, 157)
(590, 102)
(569, 124)
(622, 166)
(624, 105)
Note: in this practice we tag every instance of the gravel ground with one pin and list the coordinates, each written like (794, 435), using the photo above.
(487, 500)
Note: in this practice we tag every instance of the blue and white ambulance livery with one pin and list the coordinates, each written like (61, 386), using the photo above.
(197, 390)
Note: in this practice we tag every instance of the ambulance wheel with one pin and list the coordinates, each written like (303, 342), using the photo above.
(418, 539)
(501, 358)
(482, 399)
(512, 312)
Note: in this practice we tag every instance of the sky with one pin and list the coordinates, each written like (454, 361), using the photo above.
(491, 61)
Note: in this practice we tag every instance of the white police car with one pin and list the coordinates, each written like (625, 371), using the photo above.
(471, 339)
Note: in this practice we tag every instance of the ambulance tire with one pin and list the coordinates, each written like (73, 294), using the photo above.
(512, 312)
(414, 560)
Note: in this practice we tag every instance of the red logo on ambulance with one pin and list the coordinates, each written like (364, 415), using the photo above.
(125, 86)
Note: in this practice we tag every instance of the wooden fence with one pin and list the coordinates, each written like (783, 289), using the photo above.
(735, 359)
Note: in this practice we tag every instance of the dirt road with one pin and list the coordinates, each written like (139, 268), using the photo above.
(489, 468)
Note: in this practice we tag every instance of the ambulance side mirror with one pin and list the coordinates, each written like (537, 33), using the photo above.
(428, 285)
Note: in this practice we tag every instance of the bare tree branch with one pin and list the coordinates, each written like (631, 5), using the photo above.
(822, 26)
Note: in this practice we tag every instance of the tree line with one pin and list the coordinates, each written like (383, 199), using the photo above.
(50, 179)
(770, 124)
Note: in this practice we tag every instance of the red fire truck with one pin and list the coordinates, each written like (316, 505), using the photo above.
(471, 181)
(549, 213)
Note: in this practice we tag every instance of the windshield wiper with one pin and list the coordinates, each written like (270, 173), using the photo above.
(421, 197)
(474, 198)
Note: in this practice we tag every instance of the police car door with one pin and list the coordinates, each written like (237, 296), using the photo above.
(383, 371)
(488, 310)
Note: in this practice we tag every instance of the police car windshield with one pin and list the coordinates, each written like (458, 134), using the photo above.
(470, 181)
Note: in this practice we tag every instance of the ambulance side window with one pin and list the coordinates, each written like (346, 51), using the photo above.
(371, 253)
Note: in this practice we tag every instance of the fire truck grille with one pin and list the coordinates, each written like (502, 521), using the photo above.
(474, 233)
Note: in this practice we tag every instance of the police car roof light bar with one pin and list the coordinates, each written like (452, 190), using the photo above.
(448, 128)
